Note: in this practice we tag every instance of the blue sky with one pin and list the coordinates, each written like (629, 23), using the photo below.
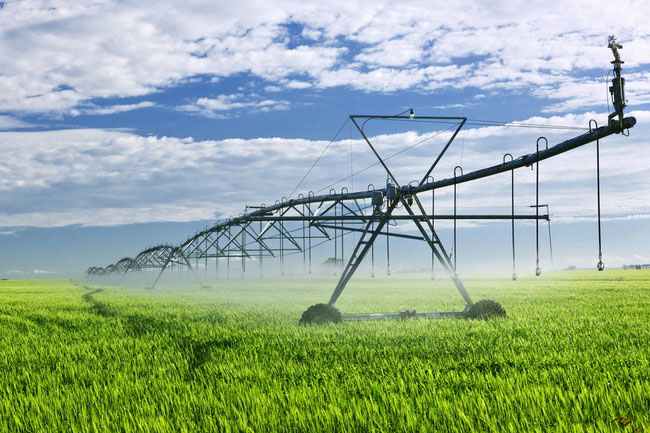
(124, 124)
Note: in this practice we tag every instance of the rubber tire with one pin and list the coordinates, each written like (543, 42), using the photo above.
(320, 314)
(485, 309)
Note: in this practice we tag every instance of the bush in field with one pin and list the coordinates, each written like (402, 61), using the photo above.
(486, 309)
(321, 313)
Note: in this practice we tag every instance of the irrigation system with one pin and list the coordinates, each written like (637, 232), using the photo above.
(297, 226)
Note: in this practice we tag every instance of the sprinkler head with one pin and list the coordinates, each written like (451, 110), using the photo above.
(600, 266)
(538, 271)
(514, 276)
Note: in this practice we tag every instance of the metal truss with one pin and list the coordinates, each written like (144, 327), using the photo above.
(297, 226)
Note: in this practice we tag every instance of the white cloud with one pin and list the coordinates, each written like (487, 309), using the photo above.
(295, 84)
(224, 106)
(111, 109)
(401, 51)
(107, 177)
(574, 95)
(42, 272)
(106, 217)
(571, 219)
(450, 106)
(8, 122)
(60, 55)
(15, 271)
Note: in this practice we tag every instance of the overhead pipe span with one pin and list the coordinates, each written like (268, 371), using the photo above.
(527, 160)
(522, 161)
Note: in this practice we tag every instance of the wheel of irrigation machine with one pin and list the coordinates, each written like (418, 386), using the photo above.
(485, 309)
(320, 314)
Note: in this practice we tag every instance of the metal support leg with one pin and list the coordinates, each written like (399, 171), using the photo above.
(166, 264)
(440, 252)
(161, 272)
(360, 252)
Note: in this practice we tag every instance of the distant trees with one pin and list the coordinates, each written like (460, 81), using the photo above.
(332, 262)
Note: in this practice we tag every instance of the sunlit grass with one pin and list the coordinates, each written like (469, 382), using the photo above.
(572, 357)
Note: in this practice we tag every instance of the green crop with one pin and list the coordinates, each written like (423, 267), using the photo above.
(573, 356)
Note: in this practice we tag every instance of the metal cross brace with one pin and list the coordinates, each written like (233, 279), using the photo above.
(431, 237)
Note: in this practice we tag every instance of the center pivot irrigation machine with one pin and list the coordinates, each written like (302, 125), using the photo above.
(296, 226)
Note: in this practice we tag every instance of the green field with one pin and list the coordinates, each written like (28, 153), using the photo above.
(573, 356)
